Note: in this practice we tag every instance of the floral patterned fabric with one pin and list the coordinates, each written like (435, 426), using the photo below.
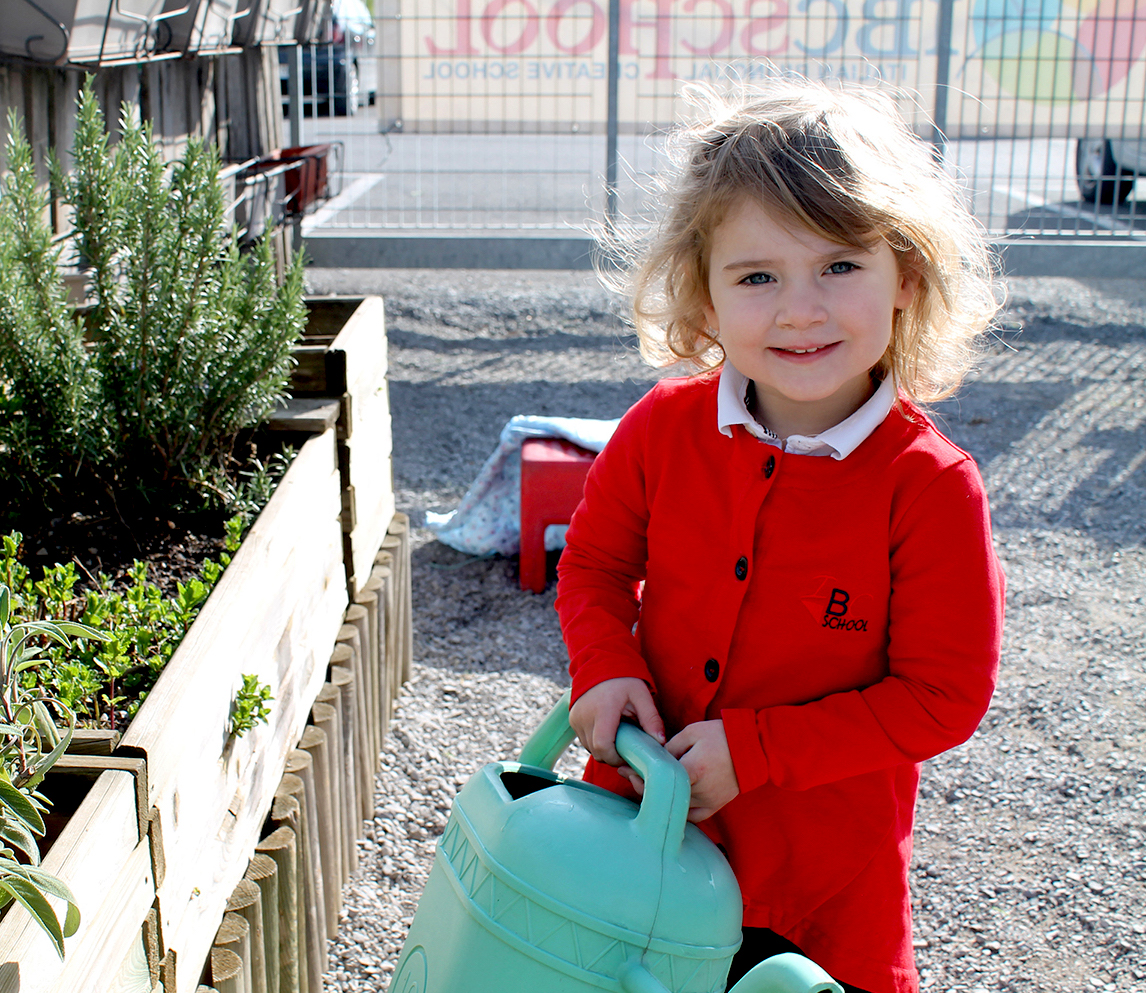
(488, 520)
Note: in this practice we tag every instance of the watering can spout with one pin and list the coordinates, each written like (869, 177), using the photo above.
(785, 973)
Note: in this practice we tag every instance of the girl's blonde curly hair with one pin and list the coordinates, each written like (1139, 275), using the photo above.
(842, 163)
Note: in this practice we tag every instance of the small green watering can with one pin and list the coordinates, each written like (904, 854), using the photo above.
(544, 884)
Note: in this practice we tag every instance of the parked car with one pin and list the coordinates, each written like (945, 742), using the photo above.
(1107, 167)
(338, 76)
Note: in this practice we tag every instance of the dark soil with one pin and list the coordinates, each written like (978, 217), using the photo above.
(174, 550)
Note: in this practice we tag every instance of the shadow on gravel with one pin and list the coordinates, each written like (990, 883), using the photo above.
(987, 419)
(1062, 454)
(475, 618)
(1039, 330)
(468, 421)
(538, 341)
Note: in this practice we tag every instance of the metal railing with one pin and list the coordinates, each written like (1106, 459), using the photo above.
(536, 115)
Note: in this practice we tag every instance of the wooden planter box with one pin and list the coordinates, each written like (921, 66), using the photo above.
(160, 841)
(343, 358)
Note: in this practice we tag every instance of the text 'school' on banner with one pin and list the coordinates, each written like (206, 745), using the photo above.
(1019, 68)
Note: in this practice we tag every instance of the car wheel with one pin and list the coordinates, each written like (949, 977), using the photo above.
(1100, 178)
(352, 88)
(346, 96)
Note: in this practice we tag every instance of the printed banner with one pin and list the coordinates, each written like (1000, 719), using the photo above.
(1017, 67)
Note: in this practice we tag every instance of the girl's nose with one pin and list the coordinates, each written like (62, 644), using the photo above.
(800, 307)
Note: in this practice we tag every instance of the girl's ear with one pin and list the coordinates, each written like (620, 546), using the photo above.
(908, 285)
(910, 274)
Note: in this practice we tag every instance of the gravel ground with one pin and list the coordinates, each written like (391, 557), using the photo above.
(1029, 869)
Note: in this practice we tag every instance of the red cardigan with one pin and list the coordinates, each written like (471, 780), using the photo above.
(843, 618)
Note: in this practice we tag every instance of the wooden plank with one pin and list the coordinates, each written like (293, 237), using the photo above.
(263, 872)
(360, 351)
(99, 855)
(134, 974)
(274, 613)
(282, 846)
(326, 316)
(308, 377)
(372, 480)
(327, 825)
(400, 526)
(356, 363)
(91, 766)
(234, 935)
(312, 952)
(313, 415)
(246, 901)
(115, 928)
(89, 741)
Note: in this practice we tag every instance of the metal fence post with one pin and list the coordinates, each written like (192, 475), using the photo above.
(942, 74)
(294, 94)
(611, 119)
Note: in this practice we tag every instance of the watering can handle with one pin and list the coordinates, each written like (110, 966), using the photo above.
(664, 807)
(550, 740)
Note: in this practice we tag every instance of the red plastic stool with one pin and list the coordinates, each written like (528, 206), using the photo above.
(553, 475)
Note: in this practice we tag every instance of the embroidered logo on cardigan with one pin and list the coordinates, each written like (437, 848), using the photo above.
(835, 615)
(836, 612)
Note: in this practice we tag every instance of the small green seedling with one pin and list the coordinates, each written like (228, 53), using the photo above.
(250, 705)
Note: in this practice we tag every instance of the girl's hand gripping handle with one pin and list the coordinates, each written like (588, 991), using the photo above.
(597, 714)
(664, 807)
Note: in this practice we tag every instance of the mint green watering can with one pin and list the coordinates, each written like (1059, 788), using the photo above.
(544, 884)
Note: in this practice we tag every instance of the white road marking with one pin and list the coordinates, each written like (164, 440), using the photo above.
(346, 198)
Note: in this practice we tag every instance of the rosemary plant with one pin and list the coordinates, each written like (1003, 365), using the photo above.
(47, 382)
(188, 340)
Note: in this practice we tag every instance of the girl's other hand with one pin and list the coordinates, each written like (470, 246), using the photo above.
(597, 713)
(702, 749)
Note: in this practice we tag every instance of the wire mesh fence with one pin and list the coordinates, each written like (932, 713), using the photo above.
(540, 115)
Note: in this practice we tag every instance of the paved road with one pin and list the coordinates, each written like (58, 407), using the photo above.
(555, 181)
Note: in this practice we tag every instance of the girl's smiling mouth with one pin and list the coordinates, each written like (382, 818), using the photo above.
(809, 350)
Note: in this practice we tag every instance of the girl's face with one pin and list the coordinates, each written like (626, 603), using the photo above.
(804, 318)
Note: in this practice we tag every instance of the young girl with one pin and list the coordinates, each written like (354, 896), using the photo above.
(821, 606)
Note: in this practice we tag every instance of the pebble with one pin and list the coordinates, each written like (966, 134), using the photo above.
(1029, 870)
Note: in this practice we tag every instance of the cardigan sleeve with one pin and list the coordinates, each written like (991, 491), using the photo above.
(944, 637)
(602, 566)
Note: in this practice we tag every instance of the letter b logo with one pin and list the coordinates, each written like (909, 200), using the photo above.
(837, 604)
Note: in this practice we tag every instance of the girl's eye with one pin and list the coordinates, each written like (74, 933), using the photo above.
(757, 279)
(838, 268)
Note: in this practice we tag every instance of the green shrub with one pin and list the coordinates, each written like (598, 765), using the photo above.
(188, 341)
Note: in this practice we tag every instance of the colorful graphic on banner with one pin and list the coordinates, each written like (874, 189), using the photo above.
(1048, 51)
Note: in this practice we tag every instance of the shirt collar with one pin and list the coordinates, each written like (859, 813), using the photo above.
(838, 441)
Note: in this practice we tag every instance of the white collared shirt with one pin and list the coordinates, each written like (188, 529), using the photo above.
(838, 441)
